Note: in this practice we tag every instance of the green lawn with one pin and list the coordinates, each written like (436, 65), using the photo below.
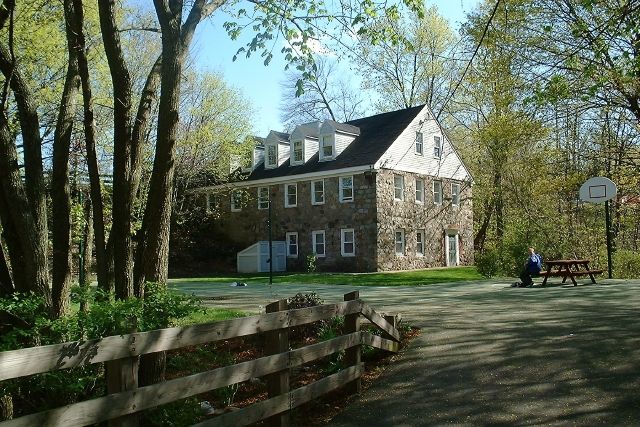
(402, 278)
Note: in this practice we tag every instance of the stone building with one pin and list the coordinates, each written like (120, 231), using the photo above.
(382, 193)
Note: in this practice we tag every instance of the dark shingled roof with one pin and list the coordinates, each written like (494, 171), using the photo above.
(377, 133)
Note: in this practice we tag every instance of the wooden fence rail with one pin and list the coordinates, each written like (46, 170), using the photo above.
(127, 400)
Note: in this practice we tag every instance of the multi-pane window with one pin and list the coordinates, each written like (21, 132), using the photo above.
(346, 188)
(317, 192)
(318, 243)
(347, 238)
(212, 202)
(455, 194)
(290, 195)
(420, 242)
(297, 151)
(272, 156)
(419, 143)
(398, 187)
(437, 192)
(437, 147)
(263, 198)
(419, 190)
(327, 147)
(399, 242)
(292, 245)
(236, 201)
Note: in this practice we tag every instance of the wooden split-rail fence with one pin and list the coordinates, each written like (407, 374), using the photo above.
(124, 401)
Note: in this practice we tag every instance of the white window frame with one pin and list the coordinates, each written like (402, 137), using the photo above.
(455, 194)
(437, 192)
(263, 198)
(420, 235)
(398, 187)
(399, 242)
(297, 151)
(292, 242)
(419, 190)
(317, 187)
(291, 195)
(437, 147)
(347, 236)
(236, 201)
(267, 161)
(315, 242)
(327, 141)
(419, 146)
(343, 189)
(213, 202)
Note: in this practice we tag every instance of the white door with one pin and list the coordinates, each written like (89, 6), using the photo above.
(452, 250)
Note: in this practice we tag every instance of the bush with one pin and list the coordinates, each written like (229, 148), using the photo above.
(488, 262)
(626, 264)
(26, 324)
(302, 332)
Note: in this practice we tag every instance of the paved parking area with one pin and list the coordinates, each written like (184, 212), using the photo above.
(491, 355)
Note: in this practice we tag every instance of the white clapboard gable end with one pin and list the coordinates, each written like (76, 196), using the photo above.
(434, 155)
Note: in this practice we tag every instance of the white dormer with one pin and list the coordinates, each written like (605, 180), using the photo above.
(276, 148)
(334, 138)
(304, 143)
(257, 157)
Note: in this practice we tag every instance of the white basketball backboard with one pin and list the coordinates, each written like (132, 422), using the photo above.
(597, 190)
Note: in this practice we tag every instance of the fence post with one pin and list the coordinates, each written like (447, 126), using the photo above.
(278, 382)
(122, 375)
(353, 355)
(393, 321)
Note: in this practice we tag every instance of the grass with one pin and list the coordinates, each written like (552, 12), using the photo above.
(208, 315)
(401, 278)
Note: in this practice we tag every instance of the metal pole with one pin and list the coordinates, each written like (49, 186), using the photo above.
(608, 221)
(270, 249)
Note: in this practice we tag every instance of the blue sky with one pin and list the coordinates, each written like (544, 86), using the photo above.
(261, 84)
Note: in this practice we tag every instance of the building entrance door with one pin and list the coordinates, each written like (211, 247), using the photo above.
(452, 250)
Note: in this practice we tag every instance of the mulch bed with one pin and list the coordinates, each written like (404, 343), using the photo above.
(317, 412)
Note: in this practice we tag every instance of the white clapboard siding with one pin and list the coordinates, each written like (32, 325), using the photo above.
(402, 155)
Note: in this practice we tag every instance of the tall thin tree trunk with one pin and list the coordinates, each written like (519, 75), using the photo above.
(60, 193)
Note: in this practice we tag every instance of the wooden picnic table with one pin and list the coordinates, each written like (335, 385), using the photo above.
(568, 268)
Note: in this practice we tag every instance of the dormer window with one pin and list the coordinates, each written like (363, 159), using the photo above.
(272, 156)
(327, 149)
(297, 152)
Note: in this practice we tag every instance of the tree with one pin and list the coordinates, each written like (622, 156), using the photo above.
(416, 68)
(326, 95)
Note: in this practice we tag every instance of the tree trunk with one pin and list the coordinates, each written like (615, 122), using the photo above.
(122, 169)
(28, 203)
(60, 192)
(92, 157)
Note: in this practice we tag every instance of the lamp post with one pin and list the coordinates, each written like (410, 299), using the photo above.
(270, 247)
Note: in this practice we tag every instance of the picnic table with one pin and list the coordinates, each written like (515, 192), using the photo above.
(568, 268)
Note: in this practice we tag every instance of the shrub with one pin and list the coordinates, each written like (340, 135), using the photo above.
(626, 264)
(302, 332)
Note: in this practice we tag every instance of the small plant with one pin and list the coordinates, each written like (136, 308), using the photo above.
(302, 332)
(311, 263)
(226, 394)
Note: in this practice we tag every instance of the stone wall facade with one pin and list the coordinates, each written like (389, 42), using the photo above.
(436, 221)
(374, 216)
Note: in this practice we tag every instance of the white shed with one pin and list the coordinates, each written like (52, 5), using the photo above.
(254, 259)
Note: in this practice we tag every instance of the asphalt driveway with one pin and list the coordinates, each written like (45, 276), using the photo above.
(491, 355)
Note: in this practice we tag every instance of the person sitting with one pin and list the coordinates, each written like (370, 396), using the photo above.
(531, 268)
